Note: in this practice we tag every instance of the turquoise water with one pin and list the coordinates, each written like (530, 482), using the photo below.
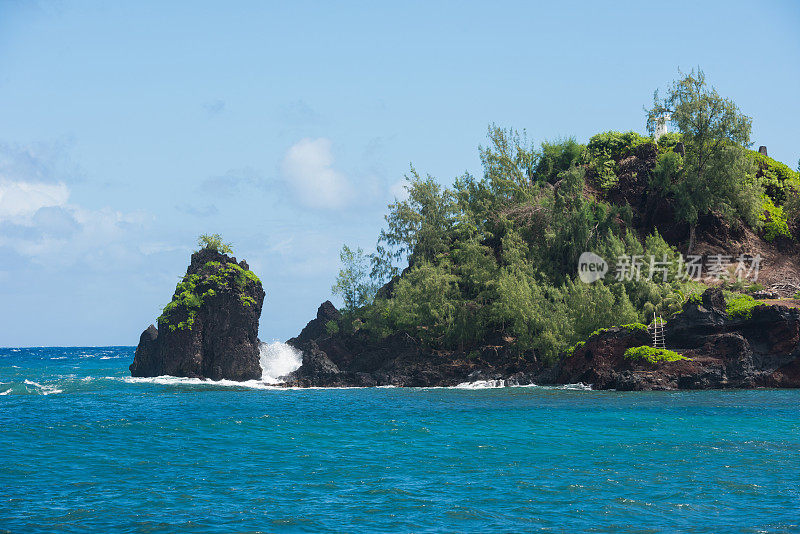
(84, 448)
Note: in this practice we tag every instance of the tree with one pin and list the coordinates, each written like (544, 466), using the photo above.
(509, 164)
(715, 173)
(425, 301)
(214, 242)
(353, 283)
(418, 227)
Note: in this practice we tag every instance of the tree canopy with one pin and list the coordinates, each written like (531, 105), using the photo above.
(715, 172)
(214, 242)
(495, 256)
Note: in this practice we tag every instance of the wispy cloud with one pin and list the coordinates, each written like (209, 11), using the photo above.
(20, 200)
(214, 107)
(307, 169)
(38, 162)
(38, 220)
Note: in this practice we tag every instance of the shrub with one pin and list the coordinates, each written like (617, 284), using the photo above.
(214, 242)
(668, 141)
(635, 326)
(773, 220)
(776, 177)
(606, 149)
(332, 328)
(557, 157)
(652, 355)
(739, 305)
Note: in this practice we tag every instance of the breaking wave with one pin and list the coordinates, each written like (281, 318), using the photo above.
(278, 360)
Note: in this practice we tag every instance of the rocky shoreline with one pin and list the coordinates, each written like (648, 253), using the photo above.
(761, 350)
(210, 330)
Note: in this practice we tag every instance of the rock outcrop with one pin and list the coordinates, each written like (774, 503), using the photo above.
(336, 359)
(210, 328)
(761, 349)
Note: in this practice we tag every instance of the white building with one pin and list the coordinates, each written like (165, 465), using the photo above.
(661, 125)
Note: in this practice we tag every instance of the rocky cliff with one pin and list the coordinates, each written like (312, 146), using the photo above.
(336, 359)
(760, 348)
(210, 328)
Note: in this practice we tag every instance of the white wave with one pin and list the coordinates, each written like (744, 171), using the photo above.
(110, 357)
(481, 384)
(166, 380)
(44, 390)
(489, 384)
(580, 386)
(6, 392)
(278, 360)
(59, 358)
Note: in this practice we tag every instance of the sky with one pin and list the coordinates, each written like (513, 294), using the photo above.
(129, 128)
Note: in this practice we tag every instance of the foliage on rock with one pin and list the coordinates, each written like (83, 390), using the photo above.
(652, 355)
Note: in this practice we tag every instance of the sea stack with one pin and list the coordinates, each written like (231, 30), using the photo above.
(210, 328)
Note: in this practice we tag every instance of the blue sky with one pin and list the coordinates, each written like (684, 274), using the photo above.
(127, 129)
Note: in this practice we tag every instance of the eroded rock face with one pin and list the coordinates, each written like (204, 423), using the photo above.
(354, 359)
(210, 328)
(762, 350)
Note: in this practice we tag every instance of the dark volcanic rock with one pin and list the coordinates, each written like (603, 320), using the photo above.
(316, 328)
(762, 350)
(210, 328)
(355, 359)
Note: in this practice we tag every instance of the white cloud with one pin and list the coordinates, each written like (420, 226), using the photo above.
(20, 200)
(38, 222)
(307, 169)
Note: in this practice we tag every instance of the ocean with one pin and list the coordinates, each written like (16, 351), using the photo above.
(85, 447)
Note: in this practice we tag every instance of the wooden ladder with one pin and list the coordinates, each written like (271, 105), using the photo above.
(658, 332)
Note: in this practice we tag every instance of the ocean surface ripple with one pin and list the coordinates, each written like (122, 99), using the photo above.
(87, 448)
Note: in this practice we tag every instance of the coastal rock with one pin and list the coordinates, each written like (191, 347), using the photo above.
(316, 328)
(210, 328)
(759, 350)
(355, 359)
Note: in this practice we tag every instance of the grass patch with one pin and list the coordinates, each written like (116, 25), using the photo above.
(635, 326)
(652, 355)
(740, 306)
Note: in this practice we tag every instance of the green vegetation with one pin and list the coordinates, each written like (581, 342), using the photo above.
(773, 220)
(498, 256)
(214, 242)
(494, 257)
(649, 354)
(715, 174)
(740, 306)
(195, 289)
(635, 326)
(606, 150)
(332, 327)
(353, 283)
(777, 178)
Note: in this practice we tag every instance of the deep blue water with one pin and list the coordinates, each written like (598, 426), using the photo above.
(83, 448)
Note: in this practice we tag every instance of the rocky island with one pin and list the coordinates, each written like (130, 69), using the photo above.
(692, 278)
(210, 327)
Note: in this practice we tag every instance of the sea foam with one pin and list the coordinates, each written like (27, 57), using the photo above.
(278, 360)
(44, 390)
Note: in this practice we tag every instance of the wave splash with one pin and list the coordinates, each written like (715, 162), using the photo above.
(278, 360)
